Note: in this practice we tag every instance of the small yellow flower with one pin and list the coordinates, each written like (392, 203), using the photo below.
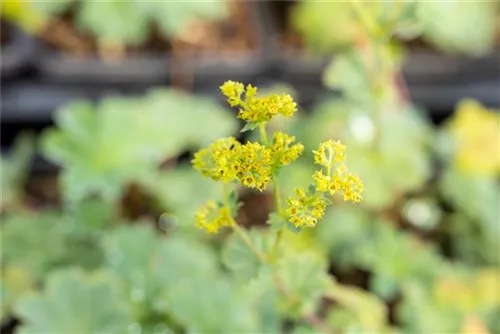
(218, 161)
(257, 109)
(283, 153)
(304, 210)
(330, 155)
(211, 218)
(254, 165)
(232, 90)
(352, 188)
(322, 181)
(329, 152)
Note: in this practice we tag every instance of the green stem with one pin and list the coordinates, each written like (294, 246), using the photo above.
(371, 25)
(246, 239)
(263, 134)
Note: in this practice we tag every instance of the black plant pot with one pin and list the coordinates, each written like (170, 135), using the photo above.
(16, 54)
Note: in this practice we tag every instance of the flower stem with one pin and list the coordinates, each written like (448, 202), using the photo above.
(246, 239)
(263, 134)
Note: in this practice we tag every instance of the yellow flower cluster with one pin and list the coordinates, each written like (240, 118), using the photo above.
(476, 131)
(218, 161)
(257, 109)
(284, 154)
(211, 218)
(305, 209)
(252, 164)
(331, 155)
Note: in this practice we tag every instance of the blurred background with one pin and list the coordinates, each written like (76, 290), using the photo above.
(104, 102)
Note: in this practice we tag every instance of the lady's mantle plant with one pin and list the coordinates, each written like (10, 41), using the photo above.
(257, 164)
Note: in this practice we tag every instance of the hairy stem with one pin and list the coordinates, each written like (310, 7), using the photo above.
(263, 134)
(310, 318)
(246, 239)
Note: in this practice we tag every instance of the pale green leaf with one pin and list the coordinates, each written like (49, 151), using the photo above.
(459, 26)
(114, 21)
(238, 257)
(74, 303)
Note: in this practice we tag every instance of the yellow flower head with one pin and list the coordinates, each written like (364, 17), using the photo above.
(253, 165)
(257, 109)
(211, 218)
(329, 152)
(352, 188)
(476, 131)
(218, 161)
(330, 155)
(283, 153)
(233, 90)
(305, 209)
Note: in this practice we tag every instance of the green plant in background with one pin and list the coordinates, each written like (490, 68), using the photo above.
(14, 169)
(330, 26)
(123, 140)
(391, 148)
(470, 147)
(110, 21)
(84, 267)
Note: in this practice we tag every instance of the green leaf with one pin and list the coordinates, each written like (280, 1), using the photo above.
(182, 113)
(43, 242)
(447, 24)
(193, 284)
(173, 17)
(357, 308)
(93, 214)
(304, 276)
(181, 191)
(250, 126)
(124, 140)
(129, 249)
(474, 227)
(181, 257)
(387, 254)
(74, 303)
(16, 280)
(110, 21)
(343, 230)
(52, 7)
(238, 257)
(325, 26)
(193, 304)
(347, 73)
(276, 222)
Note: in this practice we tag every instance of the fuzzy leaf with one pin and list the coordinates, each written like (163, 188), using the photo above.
(305, 277)
(110, 21)
(173, 17)
(122, 140)
(74, 303)
(238, 257)
(447, 24)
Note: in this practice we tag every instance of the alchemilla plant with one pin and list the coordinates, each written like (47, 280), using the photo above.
(257, 165)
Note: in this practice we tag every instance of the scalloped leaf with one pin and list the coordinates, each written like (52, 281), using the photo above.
(238, 257)
(110, 21)
(446, 24)
(173, 17)
(121, 140)
(74, 303)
